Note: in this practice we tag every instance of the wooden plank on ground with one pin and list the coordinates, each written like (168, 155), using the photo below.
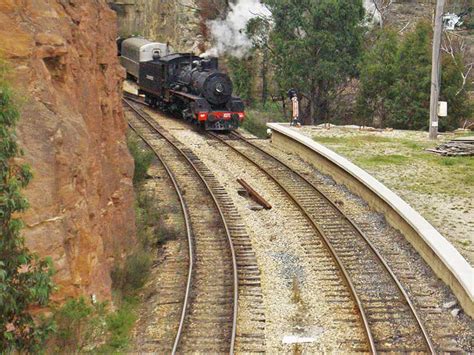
(254, 194)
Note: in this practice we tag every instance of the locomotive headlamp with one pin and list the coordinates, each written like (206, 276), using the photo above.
(220, 88)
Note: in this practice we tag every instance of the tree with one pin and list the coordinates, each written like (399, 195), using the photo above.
(411, 96)
(395, 81)
(258, 29)
(378, 74)
(25, 279)
(316, 47)
(454, 90)
(241, 73)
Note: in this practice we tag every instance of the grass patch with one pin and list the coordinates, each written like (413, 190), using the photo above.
(354, 141)
(142, 158)
(258, 115)
(119, 325)
(373, 139)
(82, 326)
(330, 140)
(447, 161)
(412, 145)
(389, 159)
(254, 125)
(404, 155)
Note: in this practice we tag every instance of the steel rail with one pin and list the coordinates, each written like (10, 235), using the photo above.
(189, 232)
(229, 238)
(326, 241)
(358, 231)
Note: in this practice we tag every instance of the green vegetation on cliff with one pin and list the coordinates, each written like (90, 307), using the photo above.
(25, 279)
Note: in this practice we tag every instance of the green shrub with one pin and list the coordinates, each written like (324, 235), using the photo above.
(71, 320)
(119, 325)
(81, 326)
(133, 274)
(25, 279)
(141, 157)
(254, 125)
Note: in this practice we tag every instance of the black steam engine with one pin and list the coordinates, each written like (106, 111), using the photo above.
(193, 87)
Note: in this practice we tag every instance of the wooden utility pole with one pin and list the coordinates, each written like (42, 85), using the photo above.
(436, 70)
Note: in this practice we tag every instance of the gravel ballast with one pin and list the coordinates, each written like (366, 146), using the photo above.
(295, 305)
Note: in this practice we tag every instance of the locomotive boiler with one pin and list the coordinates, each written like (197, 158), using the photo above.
(192, 87)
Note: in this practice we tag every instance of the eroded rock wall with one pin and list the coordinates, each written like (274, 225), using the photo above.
(175, 21)
(72, 129)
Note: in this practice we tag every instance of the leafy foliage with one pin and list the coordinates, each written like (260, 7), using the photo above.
(141, 158)
(378, 70)
(82, 326)
(75, 324)
(395, 77)
(460, 107)
(25, 279)
(315, 48)
(241, 74)
(411, 92)
(133, 274)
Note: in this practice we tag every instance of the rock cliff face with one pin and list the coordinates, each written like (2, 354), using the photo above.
(72, 130)
(176, 21)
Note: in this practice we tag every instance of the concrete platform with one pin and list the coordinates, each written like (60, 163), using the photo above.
(439, 254)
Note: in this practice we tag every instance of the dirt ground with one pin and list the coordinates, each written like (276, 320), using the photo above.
(440, 188)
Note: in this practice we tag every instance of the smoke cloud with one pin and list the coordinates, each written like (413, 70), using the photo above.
(228, 35)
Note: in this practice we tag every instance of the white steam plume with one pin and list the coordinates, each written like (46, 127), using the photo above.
(228, 35)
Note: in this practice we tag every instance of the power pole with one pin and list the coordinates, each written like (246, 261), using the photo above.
(436, 69)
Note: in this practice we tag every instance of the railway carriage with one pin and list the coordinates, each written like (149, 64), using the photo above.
(136, 50)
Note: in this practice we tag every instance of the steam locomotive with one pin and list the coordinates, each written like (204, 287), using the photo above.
(183, 83)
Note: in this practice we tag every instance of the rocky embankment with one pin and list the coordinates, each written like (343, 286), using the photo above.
(178, 22)
(67, 76)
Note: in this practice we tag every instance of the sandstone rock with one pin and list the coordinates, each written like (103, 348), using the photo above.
(160, 20)
(52, 39)
(72, 130)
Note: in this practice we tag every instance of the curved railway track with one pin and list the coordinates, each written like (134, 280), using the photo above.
(388, 316)
(209, 312)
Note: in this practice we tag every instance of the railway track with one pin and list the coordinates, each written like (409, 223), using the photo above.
(158, 320)
(223, 266)
(387, 313)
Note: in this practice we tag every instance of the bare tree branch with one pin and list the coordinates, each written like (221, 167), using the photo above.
(455, 45)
